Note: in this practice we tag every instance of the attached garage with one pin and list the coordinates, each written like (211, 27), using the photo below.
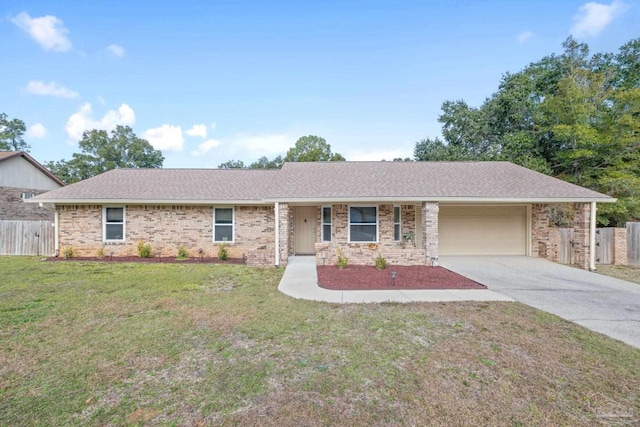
(482, 230)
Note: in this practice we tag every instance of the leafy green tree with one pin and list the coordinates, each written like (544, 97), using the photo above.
(101, 152)
(232, 164)
(265, 163)
(312, 148)
(12, 134)
(572, 115)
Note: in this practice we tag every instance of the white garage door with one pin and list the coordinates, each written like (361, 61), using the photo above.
(482, 230)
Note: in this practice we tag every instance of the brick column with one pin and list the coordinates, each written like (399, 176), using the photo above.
(619, 246)
(430, 230)
(540, 242)
(284, 232)
(581, 212)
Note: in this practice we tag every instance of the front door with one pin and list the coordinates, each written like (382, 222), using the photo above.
(304, 230)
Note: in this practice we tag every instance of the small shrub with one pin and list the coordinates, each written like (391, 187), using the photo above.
(144, 250)
(182, 253)
(68, 252)
(222, 252)
(381, 262)
(343, 261)
(100, 252)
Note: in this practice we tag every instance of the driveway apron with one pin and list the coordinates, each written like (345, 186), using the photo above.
(597, 302)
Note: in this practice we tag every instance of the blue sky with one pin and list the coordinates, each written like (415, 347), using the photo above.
(209, 81)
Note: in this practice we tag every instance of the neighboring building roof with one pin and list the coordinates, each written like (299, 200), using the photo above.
(442, 181)
(185, 186)
(317, 182)
(4, 155)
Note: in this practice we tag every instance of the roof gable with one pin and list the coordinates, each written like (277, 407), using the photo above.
(6, 155)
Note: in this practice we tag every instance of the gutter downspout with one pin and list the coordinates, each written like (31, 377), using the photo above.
(56, 237)
(592, 237)
(276, 212)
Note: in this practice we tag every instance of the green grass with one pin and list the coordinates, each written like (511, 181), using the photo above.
(188, 344)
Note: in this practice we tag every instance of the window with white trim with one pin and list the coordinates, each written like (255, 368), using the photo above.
(26, 196)
(326, 223)
(363, 223)
(397, 228)
(113, 224)
(223, 224)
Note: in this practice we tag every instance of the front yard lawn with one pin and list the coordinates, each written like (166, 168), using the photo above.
(172, 344)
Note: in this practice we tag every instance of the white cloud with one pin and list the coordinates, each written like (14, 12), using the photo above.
(206, 147)
(261, 145)
(524, 36)
(213, 125)
(36, 131)
(116, 50)
(198, 130)
(246, 147)
(594, 17)
(38, 87)
(83, 120)
(165, 137)
(48, 31)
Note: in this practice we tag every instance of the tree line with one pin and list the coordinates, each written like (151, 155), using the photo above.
(575, 116)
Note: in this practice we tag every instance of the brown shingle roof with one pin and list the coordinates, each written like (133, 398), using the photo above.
(167, 185)
(327, 181)
(428, 180)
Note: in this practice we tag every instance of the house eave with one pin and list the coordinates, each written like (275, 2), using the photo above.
(146, 202)
(324, 200)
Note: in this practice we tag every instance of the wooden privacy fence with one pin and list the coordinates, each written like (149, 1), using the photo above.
(566, 248)
(633, 243)
(26, 237)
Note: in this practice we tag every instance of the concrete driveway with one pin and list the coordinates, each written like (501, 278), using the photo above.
(597, 302)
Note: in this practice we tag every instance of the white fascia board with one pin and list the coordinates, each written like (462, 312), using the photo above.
(304, 201)
(148, 202)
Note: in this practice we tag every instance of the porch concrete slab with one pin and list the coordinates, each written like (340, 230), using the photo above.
(598, 302)
(300, 281)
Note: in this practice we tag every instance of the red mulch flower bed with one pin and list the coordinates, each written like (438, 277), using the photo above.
(361, 277)
(168, 260)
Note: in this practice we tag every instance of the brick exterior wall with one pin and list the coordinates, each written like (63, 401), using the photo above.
(620, 246)
(12, 207)
(430, 230)
(166, 228)
(285, 217)
(396, 253)
(540, 238)
(581, 212)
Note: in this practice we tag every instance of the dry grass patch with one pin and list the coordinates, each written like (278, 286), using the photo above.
(630, 273)
(151, 344)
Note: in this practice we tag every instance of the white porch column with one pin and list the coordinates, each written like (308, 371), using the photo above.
(276, 212)
(592, 237)
(56, 233)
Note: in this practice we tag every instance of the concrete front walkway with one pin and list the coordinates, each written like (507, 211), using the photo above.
(597, 302)
(300, 280)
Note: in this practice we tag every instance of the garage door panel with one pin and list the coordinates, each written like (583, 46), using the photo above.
(483, 230)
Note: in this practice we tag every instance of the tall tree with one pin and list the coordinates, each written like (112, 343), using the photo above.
(572, 115)
(12, 134)
(312, 148)
(101, 152)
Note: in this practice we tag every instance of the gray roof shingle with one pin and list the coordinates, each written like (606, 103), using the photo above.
(168, 185)
(431, 180)
(318, 181)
